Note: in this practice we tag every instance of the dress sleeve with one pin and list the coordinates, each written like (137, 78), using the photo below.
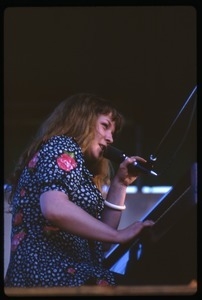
(58, 165)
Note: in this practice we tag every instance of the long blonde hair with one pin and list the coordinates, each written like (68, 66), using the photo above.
(75, 117)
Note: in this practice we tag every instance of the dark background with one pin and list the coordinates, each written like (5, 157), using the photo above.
(142, 58)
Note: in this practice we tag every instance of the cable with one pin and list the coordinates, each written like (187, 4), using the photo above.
(153, 158)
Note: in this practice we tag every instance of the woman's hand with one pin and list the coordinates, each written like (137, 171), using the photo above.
(134, 230)
(124, 176)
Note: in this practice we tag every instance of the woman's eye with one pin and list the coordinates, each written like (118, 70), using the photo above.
(105, 125)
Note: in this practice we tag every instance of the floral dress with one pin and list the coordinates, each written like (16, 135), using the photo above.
(41, 254)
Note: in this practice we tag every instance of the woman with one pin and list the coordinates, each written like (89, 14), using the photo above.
(61, 218)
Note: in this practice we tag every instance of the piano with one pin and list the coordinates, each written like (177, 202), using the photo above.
(167, 253)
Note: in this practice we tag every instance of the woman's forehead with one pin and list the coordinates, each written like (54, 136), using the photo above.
(108, 117)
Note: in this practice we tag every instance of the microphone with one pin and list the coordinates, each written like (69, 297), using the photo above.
(118, 156)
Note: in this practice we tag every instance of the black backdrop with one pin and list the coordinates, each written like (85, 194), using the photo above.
(142, 58)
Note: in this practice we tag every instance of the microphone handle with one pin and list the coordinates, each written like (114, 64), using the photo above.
(139, 166)
(118, 156)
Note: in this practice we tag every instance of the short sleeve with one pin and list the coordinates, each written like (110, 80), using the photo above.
(58, 165)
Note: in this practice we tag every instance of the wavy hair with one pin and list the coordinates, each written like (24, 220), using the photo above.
(74, 117)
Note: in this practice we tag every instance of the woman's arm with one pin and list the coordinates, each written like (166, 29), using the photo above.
(116, 195)
(117, 191)
(58, 209)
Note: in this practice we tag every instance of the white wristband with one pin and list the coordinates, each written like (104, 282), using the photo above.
(114, 206)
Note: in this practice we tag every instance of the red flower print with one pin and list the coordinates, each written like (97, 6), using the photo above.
(102, 282)
(17, 220)
(33, 161)
(17, 238)
(66, 161)
(71, 271)
(50, 229)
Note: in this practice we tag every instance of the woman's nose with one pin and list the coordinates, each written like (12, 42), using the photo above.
(109, 137)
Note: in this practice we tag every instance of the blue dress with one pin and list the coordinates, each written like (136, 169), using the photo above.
(42, 255)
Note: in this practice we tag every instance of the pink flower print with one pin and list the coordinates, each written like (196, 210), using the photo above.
(17, 238)
(66, 161)
(22, 192)
(17, 220)
(71, 271)
(33, 161)
(102, 282)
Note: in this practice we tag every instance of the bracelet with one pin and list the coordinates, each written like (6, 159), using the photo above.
(114, 206)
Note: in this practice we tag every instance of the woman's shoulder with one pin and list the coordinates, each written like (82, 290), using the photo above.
(61, 142)
(61, 139)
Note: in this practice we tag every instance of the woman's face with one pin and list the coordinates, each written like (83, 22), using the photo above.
(104, 130)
